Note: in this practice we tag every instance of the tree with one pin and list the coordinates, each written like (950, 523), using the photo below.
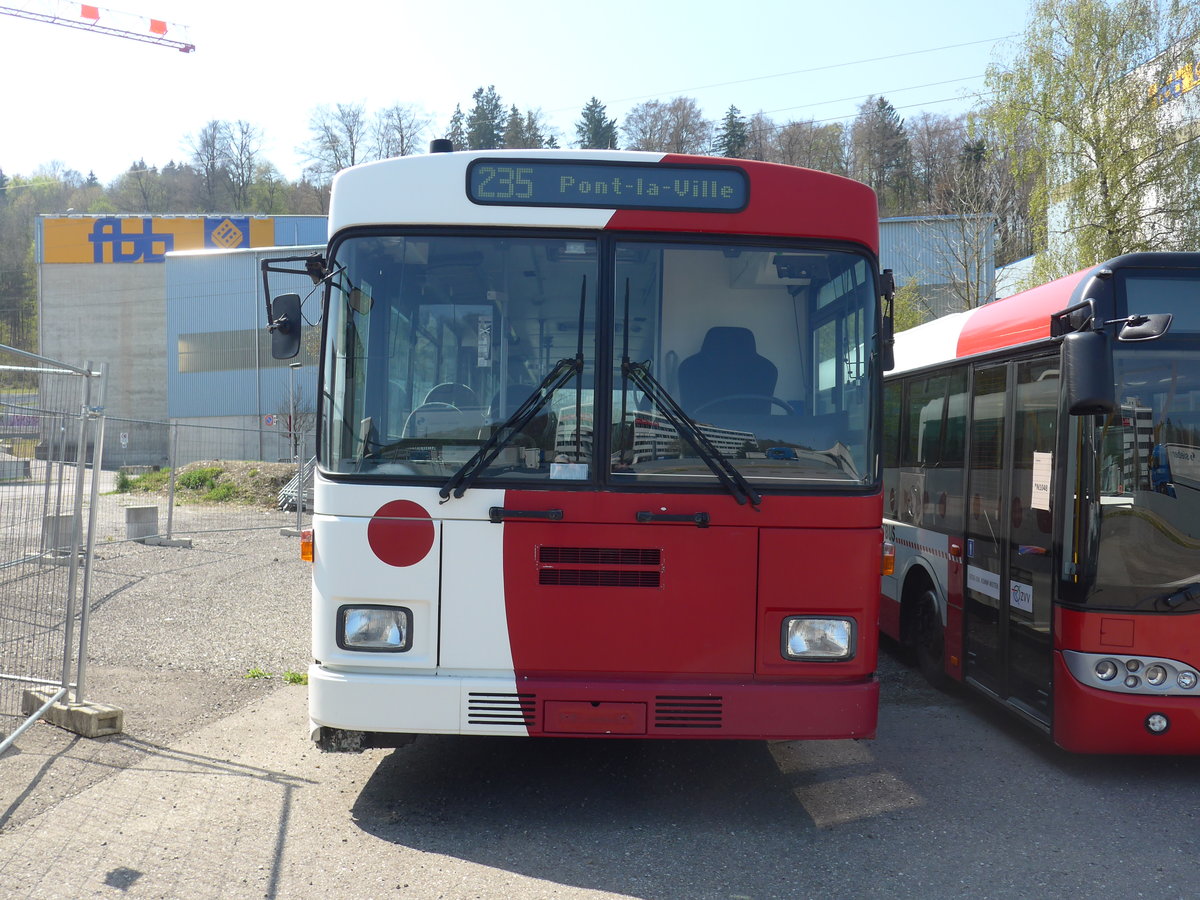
(399, 131)
(594, 130)
(733, 137)
(338, 139)
(210, 155)
(674, 127)
(242, 144)
(514, 130)
(880, 154)
(456, 132)
(1112, 149)
(485, 121)
(935, 142)
(141, 190)
(812, 145)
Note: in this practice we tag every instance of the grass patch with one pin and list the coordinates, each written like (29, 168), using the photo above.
(291, 677)
(149, 483)
(202, 479)
(221, 493)
(256, 672)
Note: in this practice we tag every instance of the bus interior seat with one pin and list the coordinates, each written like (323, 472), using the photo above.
(728, 366)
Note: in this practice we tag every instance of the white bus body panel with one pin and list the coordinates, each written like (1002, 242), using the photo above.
(461, 608)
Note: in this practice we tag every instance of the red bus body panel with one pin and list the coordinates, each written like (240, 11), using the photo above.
(1087, 720)
(671, 630)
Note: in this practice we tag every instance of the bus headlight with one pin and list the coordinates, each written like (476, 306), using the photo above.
(375, 629)
(1156, 674)
(823, 640)
(1106, 670)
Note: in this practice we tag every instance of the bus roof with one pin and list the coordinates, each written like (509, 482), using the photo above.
(1015, 320)
(430, 190)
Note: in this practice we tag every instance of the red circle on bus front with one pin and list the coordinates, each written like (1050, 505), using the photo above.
(401, 533)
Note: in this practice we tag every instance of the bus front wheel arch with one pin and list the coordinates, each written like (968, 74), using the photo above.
(922, 632)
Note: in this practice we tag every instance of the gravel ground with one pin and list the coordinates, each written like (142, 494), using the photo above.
(174, 632)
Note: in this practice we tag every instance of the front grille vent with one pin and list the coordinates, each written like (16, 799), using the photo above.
(599, 578)
(501, 709)
(688, 712)
(632, 567)
(600, 556)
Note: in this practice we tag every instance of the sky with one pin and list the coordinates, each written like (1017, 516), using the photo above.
(96, 103)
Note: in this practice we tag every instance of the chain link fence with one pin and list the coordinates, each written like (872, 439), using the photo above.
(72, 479)
(51, 437)
(163, 480)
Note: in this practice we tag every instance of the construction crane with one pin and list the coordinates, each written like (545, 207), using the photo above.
(118, 24)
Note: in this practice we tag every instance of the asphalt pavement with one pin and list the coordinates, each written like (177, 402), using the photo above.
(214, 790)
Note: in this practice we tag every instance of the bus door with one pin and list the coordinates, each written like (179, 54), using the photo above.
(1009, 573)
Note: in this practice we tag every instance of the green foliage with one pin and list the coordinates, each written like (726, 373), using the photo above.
(733, 139)
(291, 677)
(1115, 168)
(150, 482)
(595, 131)
(199, 479)
(485, 121)
(257, 672)
(910, 309)
(221, 493)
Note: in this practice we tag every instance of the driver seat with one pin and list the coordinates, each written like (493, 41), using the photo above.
(728, 365)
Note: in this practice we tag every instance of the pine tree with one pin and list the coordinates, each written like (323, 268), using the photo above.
(733, 138)
(514, 130)
(456, 133)
(595, 131)
(485, 122)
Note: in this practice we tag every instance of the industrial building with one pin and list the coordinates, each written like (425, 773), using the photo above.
(173, 306)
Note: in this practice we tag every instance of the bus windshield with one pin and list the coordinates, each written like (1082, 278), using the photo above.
(1148, 538)
(434, 340)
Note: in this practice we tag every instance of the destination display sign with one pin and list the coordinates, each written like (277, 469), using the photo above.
(564, 182)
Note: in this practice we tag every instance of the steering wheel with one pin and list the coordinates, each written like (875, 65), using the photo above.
(775, 401)
(443, 417)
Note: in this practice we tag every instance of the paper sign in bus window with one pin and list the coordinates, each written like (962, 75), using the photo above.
(1043, 465)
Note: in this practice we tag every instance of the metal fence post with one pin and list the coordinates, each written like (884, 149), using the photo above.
(96, 409)
(171, 460)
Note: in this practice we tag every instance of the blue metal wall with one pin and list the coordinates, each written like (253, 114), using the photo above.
(218, 296)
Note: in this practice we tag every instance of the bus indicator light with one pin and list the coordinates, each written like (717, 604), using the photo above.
(307, 547)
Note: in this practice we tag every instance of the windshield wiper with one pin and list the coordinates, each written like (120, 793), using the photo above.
(639, 374)
(720, 465)
(562, 372)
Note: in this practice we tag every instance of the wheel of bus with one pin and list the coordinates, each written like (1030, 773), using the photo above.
(740, 399)
(928, 639)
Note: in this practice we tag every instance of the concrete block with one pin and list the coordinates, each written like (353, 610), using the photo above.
(57, 532)
(140, 522)
(88, 719)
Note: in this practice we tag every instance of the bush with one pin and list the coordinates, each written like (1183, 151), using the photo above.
(203, 479)
(221, 492)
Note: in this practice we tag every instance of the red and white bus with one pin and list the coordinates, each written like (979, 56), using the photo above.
(1042, 488)
(545, 503)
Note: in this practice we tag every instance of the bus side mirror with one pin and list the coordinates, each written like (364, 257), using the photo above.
(887, 345)
(285, 326)
(1088, 373)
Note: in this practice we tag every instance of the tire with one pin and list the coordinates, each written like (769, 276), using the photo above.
(929, 639)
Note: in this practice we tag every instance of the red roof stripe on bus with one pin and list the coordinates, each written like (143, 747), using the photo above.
(824, 206)
(1015, 320)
